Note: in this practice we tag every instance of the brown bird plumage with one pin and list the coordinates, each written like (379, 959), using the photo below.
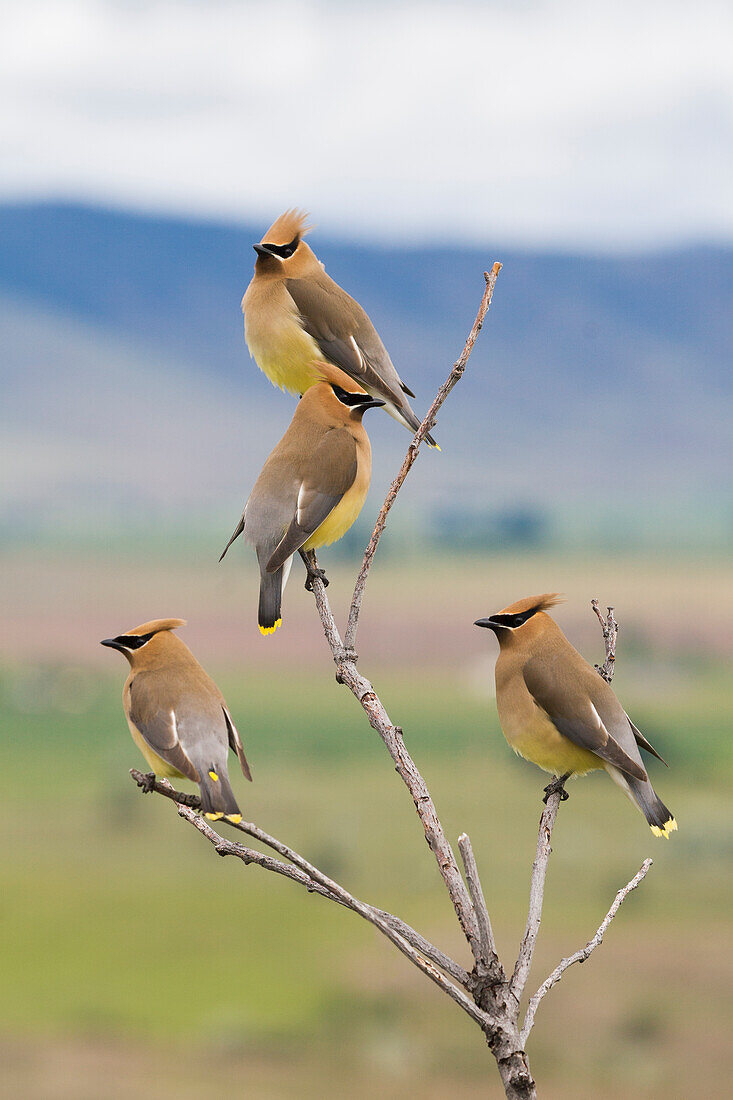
(556, 711)
(311, 489)
(177, 715)
(296, 315)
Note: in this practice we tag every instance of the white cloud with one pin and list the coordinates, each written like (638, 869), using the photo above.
(566, 121)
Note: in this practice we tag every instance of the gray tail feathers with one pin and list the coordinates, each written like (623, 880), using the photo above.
(659, 818)
(217, 796)
(271, 588)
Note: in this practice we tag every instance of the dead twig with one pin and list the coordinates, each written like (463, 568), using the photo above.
(307, 875)
(581, 955)
(536, 897)
(345, 658)
(412, 451)
(609, 626)
(486, 935)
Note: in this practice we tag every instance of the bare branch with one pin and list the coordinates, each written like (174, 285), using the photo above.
(406, 768)
(361, 688)
(412, 451)
(609, 626)
(486, 935)
(581, 955)
(425, 947)
(536, 895)
(316, 882)
(309, 876)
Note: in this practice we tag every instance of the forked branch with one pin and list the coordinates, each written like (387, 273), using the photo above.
(485, 994)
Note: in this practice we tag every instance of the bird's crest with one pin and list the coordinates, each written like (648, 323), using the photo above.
(291, 225)
(155, 626)
(328, 372)
(533, 604)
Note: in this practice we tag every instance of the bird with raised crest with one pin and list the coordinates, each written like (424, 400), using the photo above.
(556, 711)
(311, 488)
(296, 315)
(177, 715)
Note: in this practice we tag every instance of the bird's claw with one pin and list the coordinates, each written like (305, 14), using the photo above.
(313, 576)
(557, 786)
(308, 558)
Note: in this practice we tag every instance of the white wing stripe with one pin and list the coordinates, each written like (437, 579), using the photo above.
(299, 506)
(599, 723)
(357, 349)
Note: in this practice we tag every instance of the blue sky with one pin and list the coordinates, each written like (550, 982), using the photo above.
(570, 123)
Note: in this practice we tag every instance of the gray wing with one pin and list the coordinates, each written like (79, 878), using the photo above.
(346, 336)
(152, 714)
(330, 472)
(582, 713)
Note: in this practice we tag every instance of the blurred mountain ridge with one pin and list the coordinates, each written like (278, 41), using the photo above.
(129, 395)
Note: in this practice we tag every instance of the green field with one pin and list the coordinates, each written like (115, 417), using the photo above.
(131, 953)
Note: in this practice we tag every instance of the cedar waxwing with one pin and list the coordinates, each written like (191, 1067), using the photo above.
(556, 711)
(310, 490)
(295, 315)
(177, 715)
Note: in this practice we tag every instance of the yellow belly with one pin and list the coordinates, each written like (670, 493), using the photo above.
(286, 354)
(156, 763)
(338, 522)
(542, 744)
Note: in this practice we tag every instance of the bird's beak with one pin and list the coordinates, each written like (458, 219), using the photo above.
(485, 622)
(372, 403)
(112, 643)
(261, 250)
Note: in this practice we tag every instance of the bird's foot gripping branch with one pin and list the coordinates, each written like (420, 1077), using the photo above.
(487, 992)
(557, 786)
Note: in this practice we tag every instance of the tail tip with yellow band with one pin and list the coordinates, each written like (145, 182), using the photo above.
(234, 818)
(669, 826)
(270, 629)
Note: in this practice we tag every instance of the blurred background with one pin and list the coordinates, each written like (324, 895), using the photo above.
(146, 146)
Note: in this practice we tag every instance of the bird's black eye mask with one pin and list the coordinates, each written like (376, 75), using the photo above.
(356, 400)
(347, 398)
(508, 622)
(133, 641)
(284, 251)
(513, 621)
